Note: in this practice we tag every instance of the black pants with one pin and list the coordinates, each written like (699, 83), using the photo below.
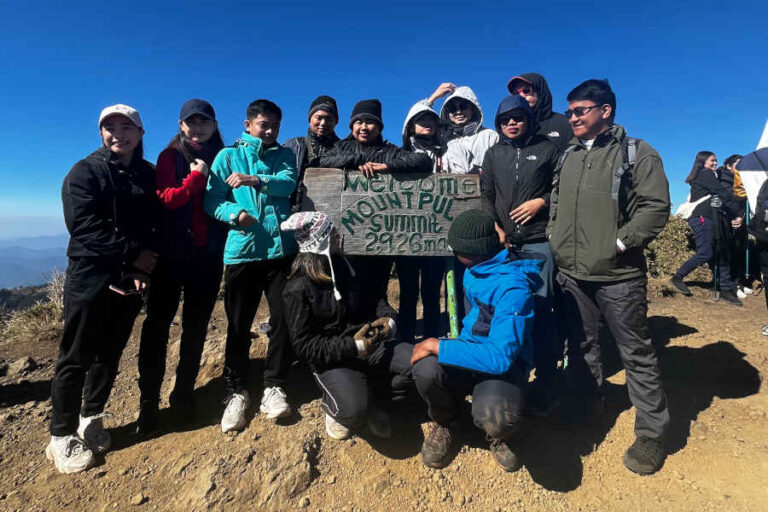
(761, 249)
(244, 284)
(96, 329)
(624, 306)
(497, 401)
(200, 278)
(351, 389)
(372, 276)
(432, 271)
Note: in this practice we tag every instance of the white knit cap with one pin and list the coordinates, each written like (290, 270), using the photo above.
(313, 234)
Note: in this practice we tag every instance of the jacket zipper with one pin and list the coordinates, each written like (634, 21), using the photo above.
(576, 210)
(517, 186)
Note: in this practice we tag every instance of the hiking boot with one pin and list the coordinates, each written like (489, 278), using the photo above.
(91, 430)
(645, 456)
(504, 456)
(182, 409)
(274, 404)
(541, 403)
(438, 447)
(730, 297)
(379, 424)
(148, 421)
(234, 414)
(69, 454)
(681, 286)
(336, 430)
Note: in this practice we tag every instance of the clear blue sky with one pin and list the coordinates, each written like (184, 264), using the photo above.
(688, 75)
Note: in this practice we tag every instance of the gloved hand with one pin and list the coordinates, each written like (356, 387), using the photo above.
(385, 326)
(751, 239)
(368, 338)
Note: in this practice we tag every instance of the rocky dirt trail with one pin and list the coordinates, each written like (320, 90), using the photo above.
(713, 358)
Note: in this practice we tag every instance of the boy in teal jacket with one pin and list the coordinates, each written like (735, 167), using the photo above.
(249, 188)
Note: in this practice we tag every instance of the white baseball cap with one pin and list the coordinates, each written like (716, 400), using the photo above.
(121, 110)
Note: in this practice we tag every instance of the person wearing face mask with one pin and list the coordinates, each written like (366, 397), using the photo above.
(516, 186)
(708, 224)
(191, 260)
(464, 121)
(111, 212)
(320, 138)
(534, 88)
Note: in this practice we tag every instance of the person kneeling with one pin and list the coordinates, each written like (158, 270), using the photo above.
(330, 330)
(492, 356)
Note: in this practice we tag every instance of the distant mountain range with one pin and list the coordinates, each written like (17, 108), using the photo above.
(29, 261)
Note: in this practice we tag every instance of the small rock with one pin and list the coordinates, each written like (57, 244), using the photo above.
(332, 479)
(23, 365)
(138, 499)
(99, 474)
(304, 502)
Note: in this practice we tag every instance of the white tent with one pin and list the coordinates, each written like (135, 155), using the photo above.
(753, 178)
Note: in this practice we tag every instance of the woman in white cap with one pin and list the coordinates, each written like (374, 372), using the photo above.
(352, 353)
(111, 210)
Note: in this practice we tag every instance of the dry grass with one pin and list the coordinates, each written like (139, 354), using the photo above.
(671, 249)
(32, 322)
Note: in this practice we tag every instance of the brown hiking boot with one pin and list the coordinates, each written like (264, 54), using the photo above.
(437, 450)
(504, 456)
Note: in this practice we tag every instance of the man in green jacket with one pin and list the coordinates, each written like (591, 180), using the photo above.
(249, 189)
(611, 198)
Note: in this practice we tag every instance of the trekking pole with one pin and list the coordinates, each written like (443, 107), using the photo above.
(746, 250)
(450, 291)
(714, 284)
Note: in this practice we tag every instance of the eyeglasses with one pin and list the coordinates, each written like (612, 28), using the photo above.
(457, 105)
(517, 118)
(579, 111)
(526, 90)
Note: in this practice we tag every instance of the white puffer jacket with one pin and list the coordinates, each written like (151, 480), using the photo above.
(474, 145)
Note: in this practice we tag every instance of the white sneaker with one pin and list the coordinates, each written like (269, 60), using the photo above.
(748, 290)
(740, 293)
(234, 414)
(91, 430)
(335, 429)
(274, 403)
(69, 454)
(379, 424)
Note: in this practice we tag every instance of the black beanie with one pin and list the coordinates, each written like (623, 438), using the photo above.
(369, 110)
(324, 103)
(474, 233)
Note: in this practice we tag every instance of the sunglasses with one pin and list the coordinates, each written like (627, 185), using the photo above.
(457, 105)
(517, 118)
(580, 111)
(525, 90)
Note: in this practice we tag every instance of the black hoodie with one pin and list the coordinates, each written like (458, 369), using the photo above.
(552, 125)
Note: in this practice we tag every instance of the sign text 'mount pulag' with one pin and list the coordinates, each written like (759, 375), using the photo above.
(391, 214)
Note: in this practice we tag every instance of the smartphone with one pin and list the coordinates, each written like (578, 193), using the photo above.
(121, 291)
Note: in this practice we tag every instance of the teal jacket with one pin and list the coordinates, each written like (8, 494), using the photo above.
(268, 203)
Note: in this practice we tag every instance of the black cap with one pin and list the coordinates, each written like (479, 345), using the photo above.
(474, 233)
(368, 110)
(201, 107)
(324, 103)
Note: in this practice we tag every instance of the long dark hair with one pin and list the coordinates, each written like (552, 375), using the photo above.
(698, 164)
(731, 160)
(314, 266)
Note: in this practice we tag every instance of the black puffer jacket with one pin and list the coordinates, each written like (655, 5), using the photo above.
(308, 150)
(515, 172)
(706, 183)
(322, 329)
(112, 213)
(349, 154)
(552, 125)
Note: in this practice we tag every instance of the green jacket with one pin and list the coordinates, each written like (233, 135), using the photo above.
(269, 202)
(585, 221)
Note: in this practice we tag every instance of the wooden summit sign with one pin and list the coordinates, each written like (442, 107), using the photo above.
(391, 214)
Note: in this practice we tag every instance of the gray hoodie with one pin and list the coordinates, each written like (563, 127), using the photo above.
(455, 159)
(474, 144)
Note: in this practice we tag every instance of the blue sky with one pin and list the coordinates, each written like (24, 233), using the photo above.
(688, 75)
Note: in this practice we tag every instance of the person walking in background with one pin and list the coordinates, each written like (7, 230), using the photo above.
(190, 261)
(320, 138)
(758, 228)
(730, 178)
(534, 88)
(516, 186)
(111, 212)
(249, 187)
(600, 222)
(715, 205)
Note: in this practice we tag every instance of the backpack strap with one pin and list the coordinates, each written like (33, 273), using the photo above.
(628, 157)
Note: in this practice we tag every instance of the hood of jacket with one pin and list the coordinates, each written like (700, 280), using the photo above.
(418, 108)
(468, 94)
(543, 108)
(510, 266)
(509, 104)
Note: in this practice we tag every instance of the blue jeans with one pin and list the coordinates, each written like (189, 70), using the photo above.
(705, 251)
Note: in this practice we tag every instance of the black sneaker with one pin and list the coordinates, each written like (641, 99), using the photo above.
(148, 422)
(730, 297)
(645, 456)
(504, 456)
(681, 286)
(437, 449)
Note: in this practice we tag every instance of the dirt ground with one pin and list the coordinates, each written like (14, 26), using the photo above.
(712, 357)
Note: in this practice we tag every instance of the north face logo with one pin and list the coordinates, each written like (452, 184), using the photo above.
(531, 157)
(553, 134)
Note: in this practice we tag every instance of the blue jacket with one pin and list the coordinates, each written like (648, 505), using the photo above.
(497, 329)
(268, 203)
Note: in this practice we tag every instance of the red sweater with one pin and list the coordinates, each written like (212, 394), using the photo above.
(174, 196)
